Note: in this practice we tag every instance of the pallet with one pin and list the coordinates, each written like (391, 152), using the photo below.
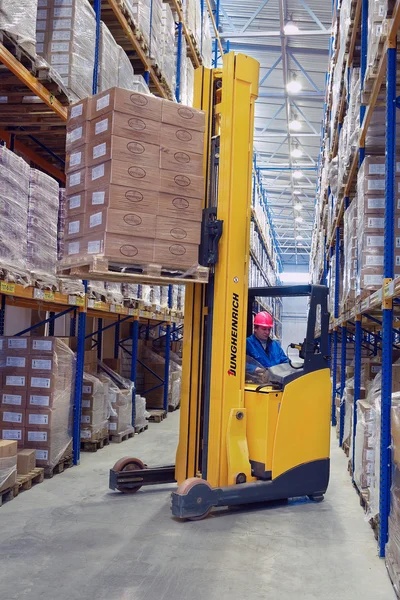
(174, 408)
(64, 463)
(26, 481)
(141, 428)
(100, 269)
(9, 494)
(96, 445)
(117, 438)
(157, 415)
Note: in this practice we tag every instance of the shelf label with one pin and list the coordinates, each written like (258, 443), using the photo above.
(9, 288)
(112, 308)
(133, 312)
(38, 294)
(119, 308)
(48, 296)
(388, 290)
(76, 300)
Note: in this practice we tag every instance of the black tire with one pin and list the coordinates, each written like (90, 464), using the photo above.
(316, 497)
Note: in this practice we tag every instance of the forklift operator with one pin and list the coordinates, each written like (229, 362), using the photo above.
(261, 347)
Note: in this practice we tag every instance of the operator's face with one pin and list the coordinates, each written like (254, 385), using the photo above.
(262, 333)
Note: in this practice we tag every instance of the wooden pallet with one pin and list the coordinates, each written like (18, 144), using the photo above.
(117, 438)
(95, 445)
(26, 481)
(9, 494)
(174, 408)
(157, 415)
(64, 463)
(100, 269)
(141, 428)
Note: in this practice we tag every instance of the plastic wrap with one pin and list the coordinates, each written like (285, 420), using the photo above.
(42, 236)
(60, 223)
(130, 291)
(167, 43)
(207, 49)
(348, 400)
(140, 85)
(18, 18)
(109, 56)
(51, 386)
(8, 472)
(121, 391)
(95, 409)
(392, 555)
(190, 82)
(96, 290)
(141, 414)
(67, 33)
(125, 70)
(140, 11)
(14, 194)
(377, 26)
(164, 296)
(113, 292)
(146, 294)
(71, 286)
(350, 249)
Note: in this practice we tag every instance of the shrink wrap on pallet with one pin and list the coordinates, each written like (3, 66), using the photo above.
(392, 555)
(207, 49)
(8, 471)
(66, 34)
(18, 18)
(14, 194)
(113, 292)
(141, 13)
(130, 291)
(350, 250)
(109, 57)
(168, 63)
(141, 414)
(50, 399)
(121, 393)
(42, 234)
(60, 223)
(95, 409)
(125, 70)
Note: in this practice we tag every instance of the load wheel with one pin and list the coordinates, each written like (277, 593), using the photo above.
(316, 497)
(185, 488)
(129, 464)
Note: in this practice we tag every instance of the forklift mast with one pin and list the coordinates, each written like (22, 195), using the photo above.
(213, 370)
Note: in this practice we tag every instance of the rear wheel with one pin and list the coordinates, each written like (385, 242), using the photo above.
(316, 497)
(129, 464)
(185, 488)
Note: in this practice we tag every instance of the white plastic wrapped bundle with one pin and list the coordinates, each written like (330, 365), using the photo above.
(125, 70)
(168, 42)
(120, 396)
(61, 223)
(130, 291)
(207, 41)
(156, 295)
(113, 292)
(377, 26)
(14, 194)
(66, 34)
(95, 408)
(350, 249)
(50, 401)
(190, 82)
(96, 289)
(18, 18)
(174, 297)
(393, 546)
(141, 414)
(164, 296)
(8, 471)
(42, 225)
(140, 10)
(181, 297)
(109, 56)
(146, 294)
(139, 85)
(156, 31)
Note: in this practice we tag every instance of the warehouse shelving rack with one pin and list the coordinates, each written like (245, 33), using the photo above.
(380, 308)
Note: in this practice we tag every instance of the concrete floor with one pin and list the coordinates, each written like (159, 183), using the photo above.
(70, 538)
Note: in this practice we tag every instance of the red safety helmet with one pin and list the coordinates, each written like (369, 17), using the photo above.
(263, 319)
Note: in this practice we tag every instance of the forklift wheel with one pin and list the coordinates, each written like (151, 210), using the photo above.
(129, 464)
(316, 497)
(185, 488)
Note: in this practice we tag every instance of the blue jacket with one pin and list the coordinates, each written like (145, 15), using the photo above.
(273, 355)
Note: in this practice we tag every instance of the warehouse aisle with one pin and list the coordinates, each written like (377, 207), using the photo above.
(71, 539)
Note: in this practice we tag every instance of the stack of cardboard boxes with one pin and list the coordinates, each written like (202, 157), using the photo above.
(94, 424)
(37, 376)
(134, 180)
(8, 464)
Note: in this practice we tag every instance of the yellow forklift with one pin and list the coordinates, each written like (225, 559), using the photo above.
(239, 442)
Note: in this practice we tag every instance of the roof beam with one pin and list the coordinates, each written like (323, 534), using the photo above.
(262, 34)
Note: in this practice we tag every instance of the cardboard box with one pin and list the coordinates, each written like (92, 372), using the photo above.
(8, 448)
(44, 364)
(78, 113)
(41, 417)
(39, 398)
(14, 381)
(19, 344)
(113, 363)
(175, 255)
(76, 136)
(183, 116)
(89, 402)
(38, 436)
(39, 346)
(182, 138)
(76, 182)
(76, 160)
(41, 381)
(123, 198)
(140, 153)
(26, 461)
(74, 227)
(124, 125)
(88, 385)
(75, 204)
(177, 183)
(122, 249)
(123, 173)
(17, 399)
(180, 160)
(13, 432)
(126, 101)
(177, 230)
(120, 222)
(14, 363)
(42, 456)
(180, 206)
(12, 415)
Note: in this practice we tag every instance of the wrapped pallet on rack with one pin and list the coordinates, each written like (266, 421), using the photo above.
(168, 63)
(14, 196)
(95, 411)
(121, 393)
(8, 464)
(67, 36)
(18, 19)
(109, 57)
(125, 70)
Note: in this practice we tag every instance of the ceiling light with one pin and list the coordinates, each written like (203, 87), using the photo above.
(296, 153)
(298, 206)
(297, 174)
(293, 86)
(297, 192)
(299, 219)
(294, 124)
(299, 237)
(299, 244)
(290, 27)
